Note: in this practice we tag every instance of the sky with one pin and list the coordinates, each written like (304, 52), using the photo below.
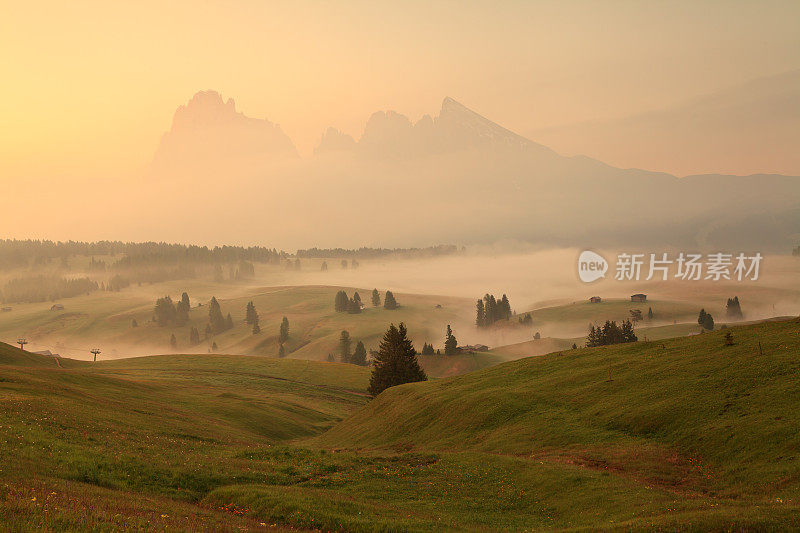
(89, 87)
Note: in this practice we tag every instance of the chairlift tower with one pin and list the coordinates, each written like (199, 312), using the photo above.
(95, 352)
(22, 342)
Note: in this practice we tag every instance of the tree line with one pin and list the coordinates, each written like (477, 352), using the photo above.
(342, 303)
(45, 288)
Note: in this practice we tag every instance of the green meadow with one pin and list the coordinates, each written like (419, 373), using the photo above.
(684, 433)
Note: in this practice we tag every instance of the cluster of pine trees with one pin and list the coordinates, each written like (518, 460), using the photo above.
(167, 313)
(357, 356)
(526, 319)
(395, 361)
(705, 320)
(611, 333)
(344, 304)
(489, 310)
(733, 309)
(427, 349)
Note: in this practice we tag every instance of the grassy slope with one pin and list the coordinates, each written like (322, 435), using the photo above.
(127, 444)
(711, 423)
(688, 433)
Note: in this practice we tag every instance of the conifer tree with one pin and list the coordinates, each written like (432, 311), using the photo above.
(480, 316)
(215, 318)
(389, 302)
(359, 355)
(450, 343)
(396, 361)
(344, 346)
(256, 327)
(341, 302)
(283, 334)
(250, 315)
(376, 298)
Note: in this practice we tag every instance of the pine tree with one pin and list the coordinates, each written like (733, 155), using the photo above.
(480, 314)
(396, 361)
(250, 315)
(376, 298)
(215, 317)
(701, 318)
(450, 343)
(359, 355)
(341, 302)
(733, 309)
(649, 313)
(354, 306)
(165, 312)
(504, 308)
(283, 334)
(708, 322)
(389, 302)
(344, 347)
(256, 327)
(427, 349)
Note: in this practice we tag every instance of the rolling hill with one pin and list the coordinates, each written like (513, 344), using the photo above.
(686, 433)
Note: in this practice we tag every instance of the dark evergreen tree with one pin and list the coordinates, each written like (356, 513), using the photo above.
(480, 314)
(733, 309)
(344, 347)
(359, 356)
(215, 317)
(354, 306)
(250, 314)
(256, 327)
(396, 361)
(649, 313)
(427, 349)
(283, 334)
(708, 322)
(504, 308)
(450, 343)
(376, 298)
(342, 302)
(389, 302)
(701, 318)
(165, 312)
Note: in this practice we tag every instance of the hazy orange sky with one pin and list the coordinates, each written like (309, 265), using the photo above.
(88, 87)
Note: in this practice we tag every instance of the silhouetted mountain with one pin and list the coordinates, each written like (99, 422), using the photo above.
(460, 177)
(209, 130)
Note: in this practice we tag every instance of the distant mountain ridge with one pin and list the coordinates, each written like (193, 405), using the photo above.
(459, 177)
